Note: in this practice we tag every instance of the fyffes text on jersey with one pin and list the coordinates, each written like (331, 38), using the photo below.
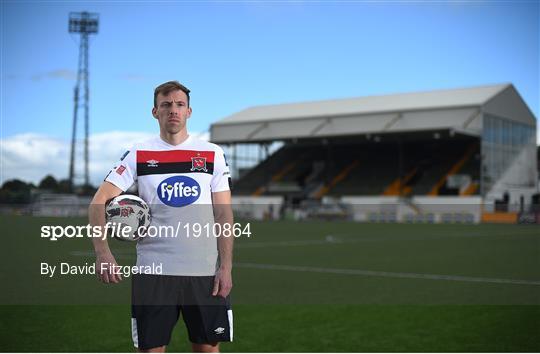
(178, 191)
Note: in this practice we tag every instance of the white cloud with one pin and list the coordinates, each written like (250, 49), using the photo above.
(65, 74)
(32, 156)
(132, 77)
(62, 74)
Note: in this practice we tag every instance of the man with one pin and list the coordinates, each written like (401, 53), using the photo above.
(185, 181)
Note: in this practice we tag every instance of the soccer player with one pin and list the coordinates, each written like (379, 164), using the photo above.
(184, 180)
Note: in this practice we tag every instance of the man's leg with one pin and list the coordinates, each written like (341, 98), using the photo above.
(208, 318)
(154, 311)
(205, 348)
(153, 350)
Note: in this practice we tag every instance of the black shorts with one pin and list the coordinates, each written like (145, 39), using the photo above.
(158, 300)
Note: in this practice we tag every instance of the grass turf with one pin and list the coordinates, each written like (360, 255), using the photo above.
(280, 310)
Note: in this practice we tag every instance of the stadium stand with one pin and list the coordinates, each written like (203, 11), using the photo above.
(475, 144)
(314, 171)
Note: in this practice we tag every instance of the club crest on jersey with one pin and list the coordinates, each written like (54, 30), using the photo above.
(152, 163)
(178, 191)
(198, 164)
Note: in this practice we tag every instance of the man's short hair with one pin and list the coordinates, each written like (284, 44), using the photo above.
(169, 86)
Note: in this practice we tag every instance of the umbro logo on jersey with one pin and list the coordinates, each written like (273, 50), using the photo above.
(219, 330)
(152, 163)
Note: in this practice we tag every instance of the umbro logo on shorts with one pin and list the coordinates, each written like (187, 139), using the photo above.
(219, 330)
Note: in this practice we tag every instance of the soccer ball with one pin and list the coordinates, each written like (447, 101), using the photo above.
(127, 217)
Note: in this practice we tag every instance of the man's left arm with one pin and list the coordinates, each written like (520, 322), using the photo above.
(223, 215)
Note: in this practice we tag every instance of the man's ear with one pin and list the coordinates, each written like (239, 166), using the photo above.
(189, 112)
(154, 112)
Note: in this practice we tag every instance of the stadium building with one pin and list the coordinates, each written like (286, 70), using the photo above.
(452, 155)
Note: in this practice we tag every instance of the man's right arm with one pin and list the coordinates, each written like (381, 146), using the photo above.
(96, 216)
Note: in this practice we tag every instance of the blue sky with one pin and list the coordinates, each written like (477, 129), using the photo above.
(233, 55)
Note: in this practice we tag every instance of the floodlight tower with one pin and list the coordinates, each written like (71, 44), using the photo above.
(83, 23)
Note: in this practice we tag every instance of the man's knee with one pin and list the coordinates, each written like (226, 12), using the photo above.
(153, 350)
(205, 348)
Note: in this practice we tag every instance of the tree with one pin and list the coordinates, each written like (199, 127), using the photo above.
(87, 189)
(64, 186)
(49, 182)
(15, 191)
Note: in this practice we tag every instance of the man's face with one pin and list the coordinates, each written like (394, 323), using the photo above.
(172, 111)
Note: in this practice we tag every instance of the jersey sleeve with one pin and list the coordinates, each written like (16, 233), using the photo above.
(124, 172)
(221, 178)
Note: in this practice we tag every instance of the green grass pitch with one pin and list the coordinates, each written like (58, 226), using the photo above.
(300, 287)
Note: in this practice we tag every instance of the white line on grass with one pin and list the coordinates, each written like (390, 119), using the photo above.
(384, 274)
(118, 255)
(328, 240)
(341, 271)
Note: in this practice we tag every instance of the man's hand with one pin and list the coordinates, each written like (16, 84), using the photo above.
(96, 215)
(222, 283)
(104, 271)
(223, 215)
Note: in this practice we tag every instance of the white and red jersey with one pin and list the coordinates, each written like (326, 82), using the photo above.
(177, 182)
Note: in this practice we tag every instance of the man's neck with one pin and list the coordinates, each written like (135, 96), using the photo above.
(174, 139)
